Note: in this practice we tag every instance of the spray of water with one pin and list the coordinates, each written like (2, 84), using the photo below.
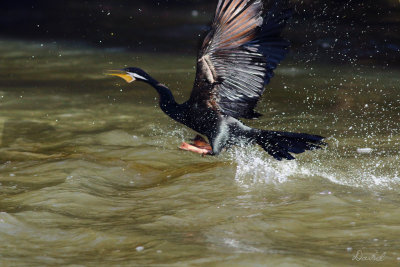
(255, 167)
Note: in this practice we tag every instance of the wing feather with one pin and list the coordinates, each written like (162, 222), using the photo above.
(238, 57)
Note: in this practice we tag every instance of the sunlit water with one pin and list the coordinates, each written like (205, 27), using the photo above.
(91, 173)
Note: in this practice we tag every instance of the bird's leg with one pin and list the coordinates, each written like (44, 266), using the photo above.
(199, 146)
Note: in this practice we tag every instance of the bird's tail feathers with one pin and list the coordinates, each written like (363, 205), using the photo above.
(281, 144)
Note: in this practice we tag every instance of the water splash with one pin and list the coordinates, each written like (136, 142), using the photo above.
(255, 167)
(372, 171)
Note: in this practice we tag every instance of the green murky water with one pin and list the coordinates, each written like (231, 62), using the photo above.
(90, 172)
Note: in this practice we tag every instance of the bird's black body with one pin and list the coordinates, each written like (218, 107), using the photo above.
(235, 63)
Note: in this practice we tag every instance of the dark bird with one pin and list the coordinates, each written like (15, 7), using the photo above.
(235, 62)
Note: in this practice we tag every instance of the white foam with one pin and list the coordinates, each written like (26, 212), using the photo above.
(253, 167)
(139, 249)
(256, 167)
(364, 150)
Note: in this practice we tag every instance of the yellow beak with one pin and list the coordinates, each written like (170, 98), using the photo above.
(122, 74)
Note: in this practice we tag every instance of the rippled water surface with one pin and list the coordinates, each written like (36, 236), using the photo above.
(91, 174)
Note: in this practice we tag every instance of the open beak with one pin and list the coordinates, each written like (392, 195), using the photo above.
(122, 74)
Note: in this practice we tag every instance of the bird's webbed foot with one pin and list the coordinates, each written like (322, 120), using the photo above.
(195, 149)
(199, 146)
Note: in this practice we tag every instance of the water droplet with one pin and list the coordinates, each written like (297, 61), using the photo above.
(326, 193)
(195, 13)
(364, 150)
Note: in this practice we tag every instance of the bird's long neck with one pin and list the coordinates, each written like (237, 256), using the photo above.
(167, 100)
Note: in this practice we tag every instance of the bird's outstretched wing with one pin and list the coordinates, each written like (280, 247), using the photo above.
(238, 57)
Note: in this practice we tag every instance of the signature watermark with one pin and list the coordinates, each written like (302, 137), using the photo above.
(364, 256)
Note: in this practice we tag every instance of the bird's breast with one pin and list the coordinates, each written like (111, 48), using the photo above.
(203, 121)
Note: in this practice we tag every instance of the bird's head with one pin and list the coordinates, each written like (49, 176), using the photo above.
(130, 74)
